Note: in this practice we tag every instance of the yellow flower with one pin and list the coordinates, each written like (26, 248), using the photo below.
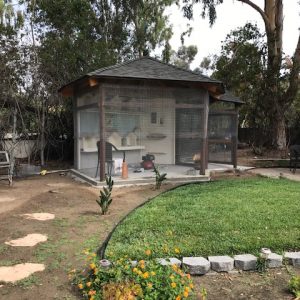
(187, 288)
(177, 250)
(178, 298)
(142, 266)
(92, 298)
(153, 273)
(134, 270)
(148, 252)
(94, 254)
(185, 294)
(92, 266)
(92, 292)
(141, 262)
(173, 285)
(80, 285)
(149, 285)
(146, 275)
(172, 277)
(88, 284)
(95, 271)
(191, 286)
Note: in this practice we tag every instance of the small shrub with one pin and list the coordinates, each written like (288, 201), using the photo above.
(147, 280)
(159, 178)
(105, 199)
(294, 286)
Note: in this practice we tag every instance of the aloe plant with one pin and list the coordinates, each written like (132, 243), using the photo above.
(105, 199)
(159, 178)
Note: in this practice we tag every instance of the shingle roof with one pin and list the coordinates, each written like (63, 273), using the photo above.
(150, 68)
(229, 97)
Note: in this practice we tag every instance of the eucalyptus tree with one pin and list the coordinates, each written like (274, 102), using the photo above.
(277, 97)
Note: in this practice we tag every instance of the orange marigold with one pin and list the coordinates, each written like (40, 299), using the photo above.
(92, 266)
(185, 294)
(80, 285)
(148, 252)
(92, 292)
(178, 298)
(146, 275)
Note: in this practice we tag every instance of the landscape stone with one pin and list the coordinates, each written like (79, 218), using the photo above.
(221, 263)
(196, 265)
(169, 261)
(293, 258)
(245, 262)
(274, 260)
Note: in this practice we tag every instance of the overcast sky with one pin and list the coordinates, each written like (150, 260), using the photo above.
(230, 15)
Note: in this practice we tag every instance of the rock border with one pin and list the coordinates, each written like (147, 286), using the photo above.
(213, 265)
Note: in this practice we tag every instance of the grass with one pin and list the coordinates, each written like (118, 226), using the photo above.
(218, 218)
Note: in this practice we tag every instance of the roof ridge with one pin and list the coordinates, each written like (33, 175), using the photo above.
(153, 59)
(114, 66)
(182, 69)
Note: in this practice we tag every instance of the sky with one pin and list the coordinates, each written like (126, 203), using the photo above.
(230, 15)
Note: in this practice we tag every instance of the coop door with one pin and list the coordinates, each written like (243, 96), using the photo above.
(188, 134)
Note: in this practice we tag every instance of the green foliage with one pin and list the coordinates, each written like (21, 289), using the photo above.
(147, 280)
(294, 286)
(159, 178)
(105, 199)
(184, 56)
(212, 218)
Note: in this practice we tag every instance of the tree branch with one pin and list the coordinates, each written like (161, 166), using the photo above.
(259, 10)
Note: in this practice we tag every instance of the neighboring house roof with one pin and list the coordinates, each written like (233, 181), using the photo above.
(150, 69)
(229, 97)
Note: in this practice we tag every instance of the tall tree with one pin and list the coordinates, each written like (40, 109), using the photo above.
(277, 97)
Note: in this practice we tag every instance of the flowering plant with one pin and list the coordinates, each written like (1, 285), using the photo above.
(147, 280)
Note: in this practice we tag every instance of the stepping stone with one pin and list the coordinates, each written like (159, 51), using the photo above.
(221, 263)
(245, 262)
(7, 199)
(196, 265)
(19, 272)
(29, 240)
(169, 261)
(274, 260)
(39, 216)
(293, 258)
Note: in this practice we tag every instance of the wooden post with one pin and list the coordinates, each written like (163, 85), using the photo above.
(234, 138)
(204, 147)
(102, 132)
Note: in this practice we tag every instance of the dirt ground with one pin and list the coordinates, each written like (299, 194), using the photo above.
(77, 226)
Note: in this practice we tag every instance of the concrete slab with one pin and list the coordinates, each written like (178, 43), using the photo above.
(293, 258)
(274, 260)
(245, 262)
(221, 263)
(169, 261)
(19, 272)
(39, 216)
(29, 240)
(195, 265)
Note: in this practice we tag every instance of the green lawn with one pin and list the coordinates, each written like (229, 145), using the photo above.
(224, 217)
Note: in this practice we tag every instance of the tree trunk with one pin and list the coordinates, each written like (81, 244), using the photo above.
(42, 135)
(273, 19)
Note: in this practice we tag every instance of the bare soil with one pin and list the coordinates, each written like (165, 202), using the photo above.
(77, 226)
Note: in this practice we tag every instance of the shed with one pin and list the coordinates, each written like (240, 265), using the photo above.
(147, 107)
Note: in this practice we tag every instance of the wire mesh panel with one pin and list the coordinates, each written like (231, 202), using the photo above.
(162, 121)
(221, 132)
